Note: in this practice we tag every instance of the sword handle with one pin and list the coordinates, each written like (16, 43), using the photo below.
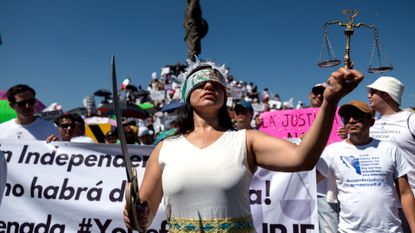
(132, 198)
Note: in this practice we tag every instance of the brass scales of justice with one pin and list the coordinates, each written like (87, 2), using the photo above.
(330, 60)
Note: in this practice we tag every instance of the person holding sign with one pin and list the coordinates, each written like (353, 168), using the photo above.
(370, 174)
(204, 171)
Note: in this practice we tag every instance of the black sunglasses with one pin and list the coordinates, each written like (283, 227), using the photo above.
(65, 126)
(374, 91)
(23, 103)
(357, 116)
(317, 91)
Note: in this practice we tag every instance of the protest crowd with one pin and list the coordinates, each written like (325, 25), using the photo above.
(150, 115)
(152, 107)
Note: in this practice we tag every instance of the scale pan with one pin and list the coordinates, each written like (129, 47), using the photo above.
(329, 63)
(380, 69)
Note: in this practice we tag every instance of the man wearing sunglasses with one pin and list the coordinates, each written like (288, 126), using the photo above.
(316, 95)
(370, 176)
(394, 124)
(26, 125)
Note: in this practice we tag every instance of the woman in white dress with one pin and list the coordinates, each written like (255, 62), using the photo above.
(204, 171)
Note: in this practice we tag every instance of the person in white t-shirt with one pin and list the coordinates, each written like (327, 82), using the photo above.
(3, 174)
(394, 124)
(26, 125)
(370, 176)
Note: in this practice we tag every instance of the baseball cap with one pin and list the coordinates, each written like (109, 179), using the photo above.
(243, 105)
(319, 88)
(143, 131)
(390, 85)
(353, 105)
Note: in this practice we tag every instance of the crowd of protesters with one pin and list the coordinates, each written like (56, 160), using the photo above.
(163, 93)
(244, 103)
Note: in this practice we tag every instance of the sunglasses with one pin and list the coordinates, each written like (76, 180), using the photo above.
(318, 91)
(65, 126)
(23, 103)
(357, 116)
(373, 91)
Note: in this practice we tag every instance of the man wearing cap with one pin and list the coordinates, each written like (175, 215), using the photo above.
(370, 176)
(316, 95)
(243, 114)
(393, 124)
(145, 136)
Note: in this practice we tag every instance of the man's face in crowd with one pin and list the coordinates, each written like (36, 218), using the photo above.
(316, 97)
(66, 129)
(243, 117)
(357, 122)
(24, 105)
(377, 98)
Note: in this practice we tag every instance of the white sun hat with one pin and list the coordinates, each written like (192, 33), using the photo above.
(390, 85)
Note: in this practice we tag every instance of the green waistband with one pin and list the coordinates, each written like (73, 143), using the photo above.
(221, 225)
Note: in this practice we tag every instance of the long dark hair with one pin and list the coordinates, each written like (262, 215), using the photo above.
(185, 123)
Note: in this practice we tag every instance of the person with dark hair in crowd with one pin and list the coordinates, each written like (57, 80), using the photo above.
(79, 130)
(26, 125)
(258, 121)
(370, 175)
(111, 137)
(71, 129)
(184, 168)
(66, 126)
(130, 131)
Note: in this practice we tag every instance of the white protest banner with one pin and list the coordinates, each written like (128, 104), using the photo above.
(78, 187)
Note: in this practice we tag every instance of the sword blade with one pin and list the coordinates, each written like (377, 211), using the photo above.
(121, 134)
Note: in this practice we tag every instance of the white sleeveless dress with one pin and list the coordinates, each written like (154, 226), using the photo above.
(207, 190)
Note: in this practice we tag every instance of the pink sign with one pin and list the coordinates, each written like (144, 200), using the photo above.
(295, 123)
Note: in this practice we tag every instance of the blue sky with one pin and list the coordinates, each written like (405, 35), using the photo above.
(63, 48)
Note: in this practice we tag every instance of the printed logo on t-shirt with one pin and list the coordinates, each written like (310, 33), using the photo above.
(351, 161)
(368, 169)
